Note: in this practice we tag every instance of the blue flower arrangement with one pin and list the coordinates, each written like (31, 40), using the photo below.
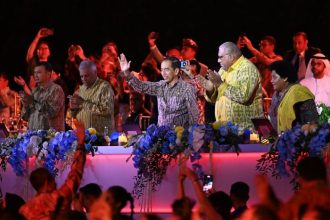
(154, 150)
(47, 146)
(291, 146)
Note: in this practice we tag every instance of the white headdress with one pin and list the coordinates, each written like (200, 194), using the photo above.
(325, 60)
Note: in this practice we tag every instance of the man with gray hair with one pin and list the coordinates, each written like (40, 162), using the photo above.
(92, 103)
(235, 89)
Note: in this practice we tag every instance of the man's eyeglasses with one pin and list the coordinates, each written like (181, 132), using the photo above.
(221, 57)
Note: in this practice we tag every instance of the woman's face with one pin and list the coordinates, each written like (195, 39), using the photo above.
(279, 83)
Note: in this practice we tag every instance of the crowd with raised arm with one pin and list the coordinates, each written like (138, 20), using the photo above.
(102, 93)
(172, 89)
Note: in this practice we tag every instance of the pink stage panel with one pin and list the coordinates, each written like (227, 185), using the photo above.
(109, 167)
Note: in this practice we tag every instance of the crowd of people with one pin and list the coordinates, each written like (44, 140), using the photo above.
(173, 89)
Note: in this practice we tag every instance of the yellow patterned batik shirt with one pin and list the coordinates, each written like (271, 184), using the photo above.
(239, 97)
(97, 111)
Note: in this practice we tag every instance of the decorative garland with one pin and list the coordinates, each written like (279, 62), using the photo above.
(295, 144)
(47, 146)
(154, 151)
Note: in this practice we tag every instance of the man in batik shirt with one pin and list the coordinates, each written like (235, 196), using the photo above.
(177, 105)
(236, 89)
(92, 104)
(44, 108)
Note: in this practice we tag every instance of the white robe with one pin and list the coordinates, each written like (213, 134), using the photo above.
(320, 88)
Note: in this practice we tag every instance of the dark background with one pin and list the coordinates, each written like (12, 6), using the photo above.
(209, 22)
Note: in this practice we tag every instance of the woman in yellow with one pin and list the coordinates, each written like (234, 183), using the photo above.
(292, 103)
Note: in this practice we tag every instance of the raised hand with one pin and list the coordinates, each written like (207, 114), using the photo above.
(214, 77)
(75, 101)
(19, 80)
(43, 32)
(152, 37)
(188, 72)
(80, 52)
(247, 42)
(188, 172)
(124, 65)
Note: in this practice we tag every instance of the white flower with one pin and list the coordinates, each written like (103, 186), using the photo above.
(319, 110)
(45, 144)
(107, 139)
(39, 157)
(44, 152)
(178, 141)
(35, 141)
(74, 145)
(35, 150)
(30, 150)
(328, 120)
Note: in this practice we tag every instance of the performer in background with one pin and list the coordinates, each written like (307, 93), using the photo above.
(8, 107)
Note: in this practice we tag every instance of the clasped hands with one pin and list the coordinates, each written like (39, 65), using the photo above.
(213, 81)
(75, 101)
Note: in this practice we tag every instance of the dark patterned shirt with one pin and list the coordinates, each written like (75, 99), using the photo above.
(177, 105)
(47, 109)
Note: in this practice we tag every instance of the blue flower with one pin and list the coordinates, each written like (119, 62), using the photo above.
(233, 129)
(151, 129)
(171, 136)
(209, 133)
(87, 135)
(195, 156)
(93, 138)
(57, 147)
(88, 146)
(154, 150)
(161, 131)
(114, 135)
(230, 124)
(222, 140)
(223, 130)
(146, 142)
(165, 149)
